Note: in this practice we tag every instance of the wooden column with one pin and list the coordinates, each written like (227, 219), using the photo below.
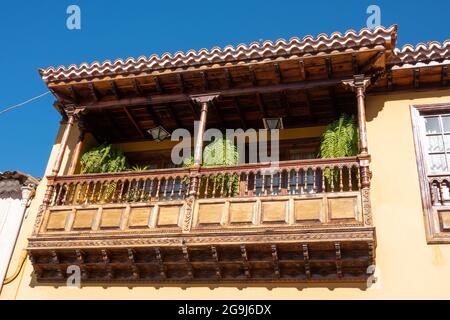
(360, 85)
(198, 149)
(203, 100)
(77, 151)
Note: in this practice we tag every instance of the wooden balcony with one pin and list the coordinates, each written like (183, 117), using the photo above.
(299, 221)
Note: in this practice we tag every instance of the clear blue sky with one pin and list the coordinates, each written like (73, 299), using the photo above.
(34, 34)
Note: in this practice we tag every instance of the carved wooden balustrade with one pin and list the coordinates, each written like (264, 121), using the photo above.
(296, 221)
(439, 189)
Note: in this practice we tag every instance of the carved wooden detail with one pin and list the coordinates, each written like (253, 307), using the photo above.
(304, 221)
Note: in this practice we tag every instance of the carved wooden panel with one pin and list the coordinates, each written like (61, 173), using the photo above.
(343, 208)
(242, 212)
(111, 218)
(57, 220)
(274, 211)
(210, 213)
(168, 216)
(84, 219)
(308, 210)
(139, 217)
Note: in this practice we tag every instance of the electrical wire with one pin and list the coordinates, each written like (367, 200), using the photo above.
(23, 103)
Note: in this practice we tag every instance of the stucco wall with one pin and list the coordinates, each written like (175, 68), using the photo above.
(407, 266)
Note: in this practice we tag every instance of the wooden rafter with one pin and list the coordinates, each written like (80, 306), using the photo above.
(228, 79)
(444, 75)
(177, 97)
(329, 67)
(252, 75)
(277, 71)
(137, 87)
(114, 89)
(301, 66)
(73, 94)
(173, 114)
(416, 77)
(180, 80)
(355, 64)
(158, 84)
(94, 92)
(368, 66)
(151, 111)
(205, 81)
(261, 105)
(218, 114)
(135, 124)
(240, 113)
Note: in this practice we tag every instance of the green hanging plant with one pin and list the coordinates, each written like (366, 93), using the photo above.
(339, 140)
(103, 159)
(220, 152)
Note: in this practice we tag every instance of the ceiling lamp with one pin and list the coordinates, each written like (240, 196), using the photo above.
(273, 123)
(159, 133)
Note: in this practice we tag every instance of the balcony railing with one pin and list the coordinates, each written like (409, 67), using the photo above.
(249, 180)
(157, 221)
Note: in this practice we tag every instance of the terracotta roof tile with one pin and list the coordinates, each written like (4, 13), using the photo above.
(309, 45)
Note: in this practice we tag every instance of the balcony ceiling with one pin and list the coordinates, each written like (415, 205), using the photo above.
(297, 79)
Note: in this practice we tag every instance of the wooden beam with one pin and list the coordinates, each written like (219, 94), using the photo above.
(337, 247)
(301, 65)
(157, 84)
(160, 99)
(329, 67)
(355, 64)
(261, 105)
(333, 101)
(137, 87)
(305, 250)
(240, 113)
(389, 79)
(308, 102)
(193, 107)
(245, 262)
(416, 76)
(173, 114)
(228, 78)
(218, 115)
(215, 257)
(114, 89)
(278, 75)
(284, 102)
(251, 71)
(93, 91)
(444, 75)
(368, 66)
(205, 81)
(151, 111)
(131, 118)
(73, 94)
(181, 82)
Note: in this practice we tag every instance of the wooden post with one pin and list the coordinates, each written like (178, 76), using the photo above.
(204, 100)
(360, 85)
(77, 151)
(198, 149)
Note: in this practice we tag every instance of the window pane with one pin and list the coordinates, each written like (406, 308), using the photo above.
(437, 162)
(435, 144)
(432, 125)
(446, 123)
(447, 142)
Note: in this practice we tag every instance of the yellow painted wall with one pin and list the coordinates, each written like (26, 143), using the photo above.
(407, 266)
